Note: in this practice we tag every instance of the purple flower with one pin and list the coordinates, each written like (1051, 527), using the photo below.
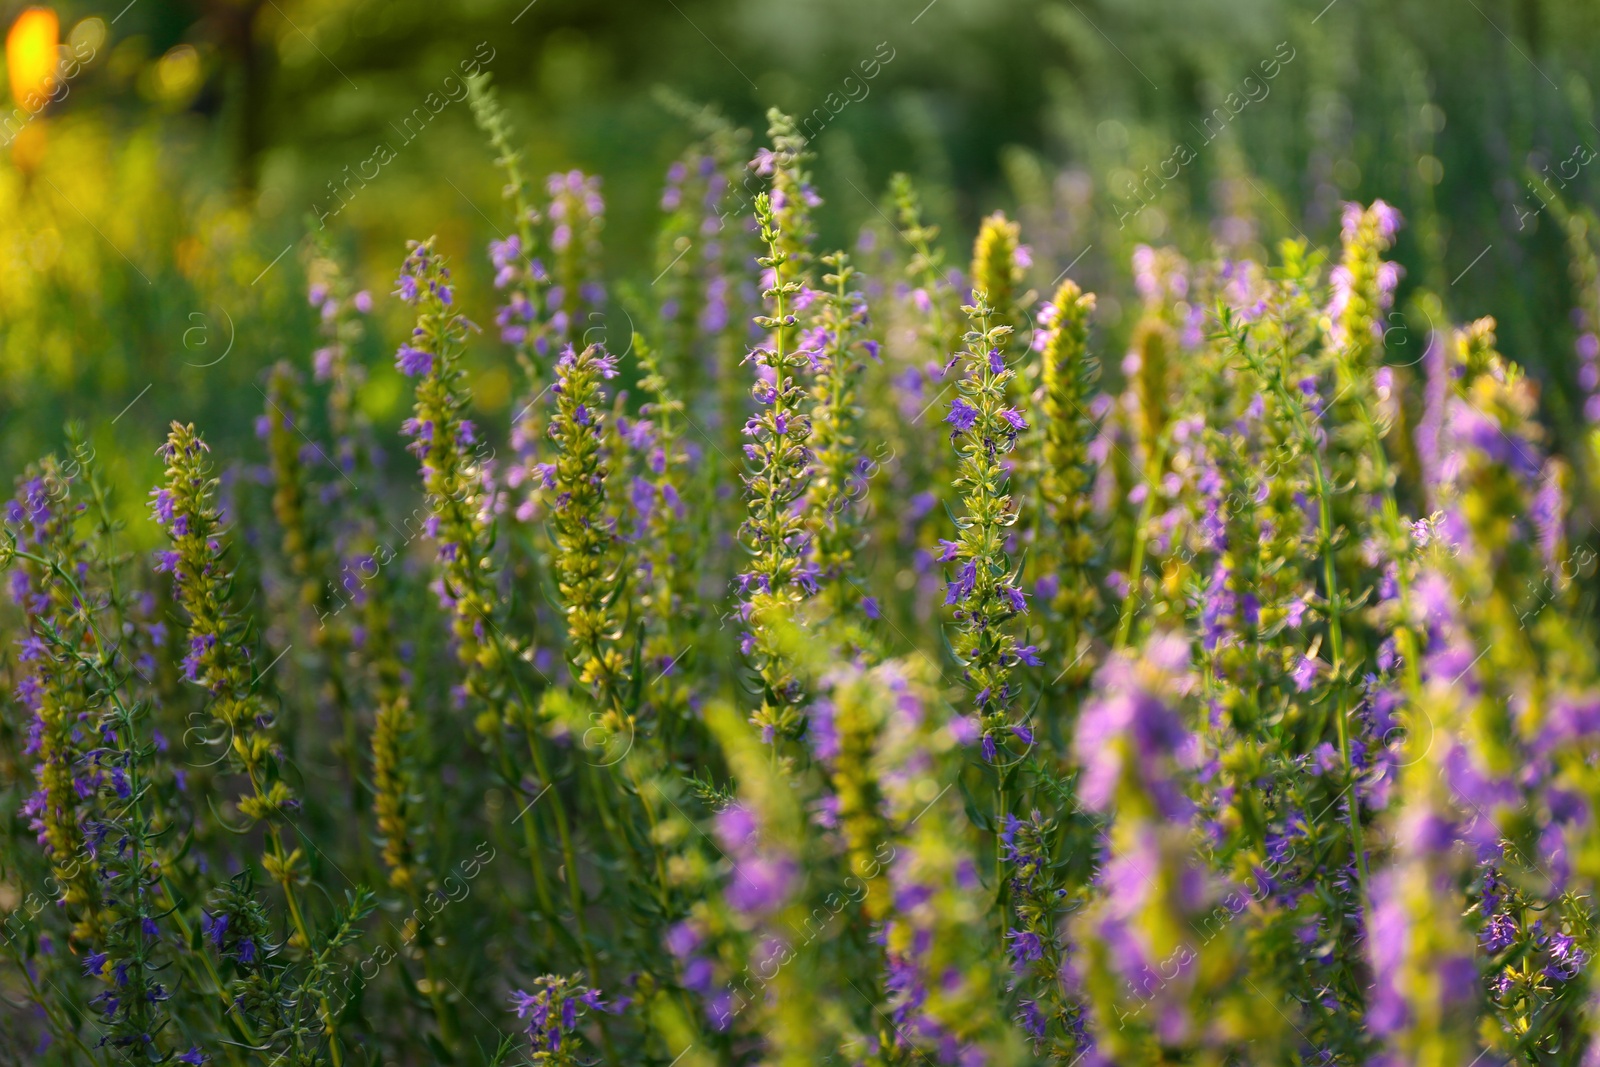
(963, 416)
(1031, 1019)
(1025, 948)
(683, 939)
(762, 883)
(1129, 719)
(966, 578)
(1305, 672)
(214, 928)
(1499, 933)
(1566, 958)
(413, 362)
(526, 1004)
(1388, 219)
(162, 506)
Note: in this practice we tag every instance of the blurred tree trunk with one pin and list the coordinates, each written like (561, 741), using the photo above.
(232, 24)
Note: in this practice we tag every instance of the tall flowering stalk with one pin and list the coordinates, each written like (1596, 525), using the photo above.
(40, 524)
(1509, 722)
(1066, 480)
(983, 591)
(517, 258)
(1502, 720)
(1150, 366)
(680, 275)
(577, 215)
(588, 572)
(351, 517)
(925, 268)
(526, 319)
(942, 980)
(1583, 269)
(1355, 322)
(125, 835)
(791, 200)
(667, 578)
(847, 724)
(453, 477)
(511, 260)
(694, 253)
(999, 266)
(1143, 934)
(395, 787)
(1426, 989)
(762, 835)
(461, 522)
(290, 503)
(305, 543)
(1363, 283)
(218, 657)
(924, 326)
(218, 660)
(776, 477)
(342, 310)
(114, 835)
(704, 249)
(1354, 328)
(553, 1011)
(837, 483)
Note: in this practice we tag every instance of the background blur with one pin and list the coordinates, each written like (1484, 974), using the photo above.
(154, 212)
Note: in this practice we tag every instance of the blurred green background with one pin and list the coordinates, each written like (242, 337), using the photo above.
(153, 219)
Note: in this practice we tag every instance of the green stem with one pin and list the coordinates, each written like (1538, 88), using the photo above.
(1136, 563)
(664, 892)
(558, 809)
(441, 1014)
(325, 1009)
(1336, 655)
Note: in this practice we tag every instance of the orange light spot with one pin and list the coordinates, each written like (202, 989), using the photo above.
(27, 147)
(31, 56)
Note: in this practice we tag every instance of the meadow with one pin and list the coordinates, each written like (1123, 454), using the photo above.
(778, 632)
